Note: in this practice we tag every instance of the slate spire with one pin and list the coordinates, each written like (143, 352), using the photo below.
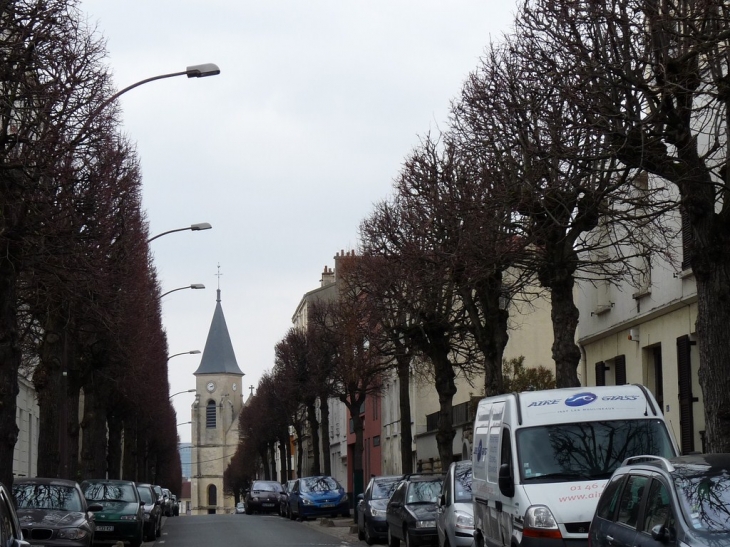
(218, 356)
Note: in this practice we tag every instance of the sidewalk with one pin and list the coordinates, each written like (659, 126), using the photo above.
(343, 528)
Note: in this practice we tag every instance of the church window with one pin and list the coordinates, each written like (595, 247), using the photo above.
(210, 415)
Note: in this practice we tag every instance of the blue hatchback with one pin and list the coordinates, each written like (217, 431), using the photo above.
(313, 496)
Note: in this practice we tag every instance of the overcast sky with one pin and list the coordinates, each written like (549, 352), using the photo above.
(317, 105)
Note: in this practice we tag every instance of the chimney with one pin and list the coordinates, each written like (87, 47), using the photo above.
(328, 277)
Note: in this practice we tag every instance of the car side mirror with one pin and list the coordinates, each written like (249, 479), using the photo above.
(505, 481)
(441, 501)
(141, 503)
(361, 497)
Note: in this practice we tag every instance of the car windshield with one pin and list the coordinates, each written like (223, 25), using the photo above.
(383, 489)
(266, 486)
(145, 494)
(705, 497)
(424, 491)
(462, 483)
(587, 449)
(318, 484)
(104, 491)
(47, 496)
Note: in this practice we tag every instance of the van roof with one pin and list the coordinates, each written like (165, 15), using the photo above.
(581, 404)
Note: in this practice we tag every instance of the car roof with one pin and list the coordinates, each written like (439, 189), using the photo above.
(42, 480)
(710, 463)
(423, 477)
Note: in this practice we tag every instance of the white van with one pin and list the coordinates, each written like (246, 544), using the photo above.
(541, 459)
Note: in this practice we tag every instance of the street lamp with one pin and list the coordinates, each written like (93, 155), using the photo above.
(191, 352)
(193, 286)
(179, 392)
(193, 227)
(194, 71)
(184, 423)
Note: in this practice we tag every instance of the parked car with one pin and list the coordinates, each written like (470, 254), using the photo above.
(652, 501)
(240, 508)
(284, 498)
(263, 497)
(411, 510)
(152, 512)
(455, 513)
(167, 502)
(122, 515)
(54, 512)
(371, 525)
(175, 506)
(320, 495)
(10, 531)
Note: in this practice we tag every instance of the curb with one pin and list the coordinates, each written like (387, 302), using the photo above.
(343, 529)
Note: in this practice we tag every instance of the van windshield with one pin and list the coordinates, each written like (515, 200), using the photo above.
(587, 450)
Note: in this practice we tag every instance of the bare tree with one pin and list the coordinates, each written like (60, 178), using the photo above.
(652, 76)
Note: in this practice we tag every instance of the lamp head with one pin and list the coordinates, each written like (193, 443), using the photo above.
(201, 71)
(197, 286)
(200, 226)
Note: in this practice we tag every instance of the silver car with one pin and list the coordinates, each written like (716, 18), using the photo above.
(455, 519)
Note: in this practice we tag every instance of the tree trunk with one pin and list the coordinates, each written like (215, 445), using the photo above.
(264, 455)
(324, 411)
(446, 389)
(48, 383)
(9, 365)
(93, 434)
(114, 449)
(74, 403)
(406, 432)
(283, 458)
(314, 435)
(358, 449)
(713, 318)
(300, 449)
(564, 314)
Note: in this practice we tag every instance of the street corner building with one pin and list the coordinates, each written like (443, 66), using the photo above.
(215, 413)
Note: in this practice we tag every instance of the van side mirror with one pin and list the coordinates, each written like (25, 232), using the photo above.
(505, 480)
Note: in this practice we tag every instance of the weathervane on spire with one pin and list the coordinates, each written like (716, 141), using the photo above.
(218, 275)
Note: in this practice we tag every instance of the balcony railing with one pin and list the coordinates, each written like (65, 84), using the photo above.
(461, 414)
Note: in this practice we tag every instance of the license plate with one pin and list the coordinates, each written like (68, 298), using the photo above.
(105, 528)
(268, 504)
(328, 505)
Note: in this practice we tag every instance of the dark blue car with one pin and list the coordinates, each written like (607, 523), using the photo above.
(315, 496)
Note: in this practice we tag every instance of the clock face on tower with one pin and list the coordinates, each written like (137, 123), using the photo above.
(234, 386)
(210, 387)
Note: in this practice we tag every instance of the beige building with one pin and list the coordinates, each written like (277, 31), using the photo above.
(25, 456)
(215, 412)
(644, 333)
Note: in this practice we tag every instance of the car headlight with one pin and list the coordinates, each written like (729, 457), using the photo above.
(425, 524)
(377, 512)
(255, 498)
(128, 517)
(344, 498)
(540, 523)
(307, 501)
(464, 520)
(147, 516)
(73, 534)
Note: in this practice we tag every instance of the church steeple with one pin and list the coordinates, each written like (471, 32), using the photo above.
(218, 356)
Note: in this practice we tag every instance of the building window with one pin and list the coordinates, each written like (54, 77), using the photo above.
(376, 440)
(352, 425)
(210, 415)
(362, 408)
(376, 405)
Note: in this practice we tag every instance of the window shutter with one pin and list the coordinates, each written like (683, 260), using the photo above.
(686, 415)
(658, 377)
(600, 373)
(620, 364)
(687, 240)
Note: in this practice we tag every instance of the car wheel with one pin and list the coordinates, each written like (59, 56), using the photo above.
(291, 514)
(300, 515)
(248, 510)
(369, 539)
(360, 531)
(158, 528)
(392, 541)
(408, 538)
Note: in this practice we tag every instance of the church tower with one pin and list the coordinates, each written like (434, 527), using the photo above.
(215, 412)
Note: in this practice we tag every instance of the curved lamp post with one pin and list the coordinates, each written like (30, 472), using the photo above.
(180, 392)
(194, 71)
(193, 286)
(184, 423)
(191, 352)
(193, 227)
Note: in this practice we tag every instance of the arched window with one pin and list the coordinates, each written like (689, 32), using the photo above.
(212, 499)
(210, 415)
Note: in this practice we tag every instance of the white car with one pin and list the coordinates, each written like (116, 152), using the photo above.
(455, 519)
(240, 508)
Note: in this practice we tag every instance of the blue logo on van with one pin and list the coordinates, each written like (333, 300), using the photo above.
(580, 399)
(479, 451)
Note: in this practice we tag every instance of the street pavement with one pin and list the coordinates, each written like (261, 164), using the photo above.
(343, 528)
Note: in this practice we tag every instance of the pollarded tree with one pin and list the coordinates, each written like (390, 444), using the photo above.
(652, 76)
(559, 180)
